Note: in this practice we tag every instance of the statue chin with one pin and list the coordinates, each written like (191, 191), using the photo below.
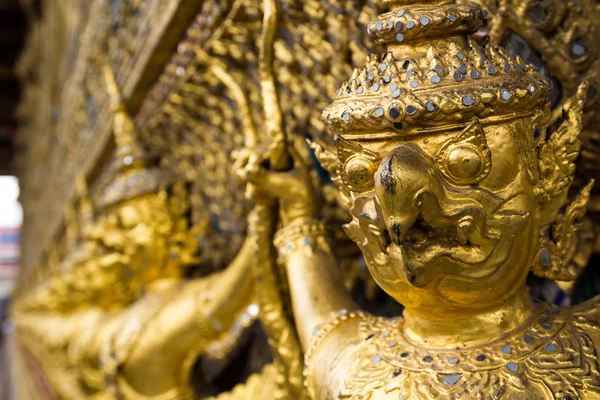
(443, 272)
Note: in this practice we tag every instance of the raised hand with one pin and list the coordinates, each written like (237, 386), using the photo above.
(293, 189)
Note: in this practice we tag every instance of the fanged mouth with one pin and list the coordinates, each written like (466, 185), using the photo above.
(420, 234)
(466, 235)
(456, 241)
(469, 240)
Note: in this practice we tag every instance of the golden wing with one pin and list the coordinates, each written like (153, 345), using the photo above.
(560, 150)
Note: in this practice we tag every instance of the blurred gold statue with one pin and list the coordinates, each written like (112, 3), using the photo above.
(103, 326)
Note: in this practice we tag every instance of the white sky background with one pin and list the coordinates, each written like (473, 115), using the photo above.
(11, 213)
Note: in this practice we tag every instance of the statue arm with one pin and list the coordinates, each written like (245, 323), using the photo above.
(315, 280)
(186, 320)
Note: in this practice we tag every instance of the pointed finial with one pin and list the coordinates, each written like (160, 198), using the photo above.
(129, 149)
(412, 26)
(137, 172)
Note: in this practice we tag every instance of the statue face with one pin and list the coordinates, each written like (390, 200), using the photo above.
(446, 220)
(143, 221)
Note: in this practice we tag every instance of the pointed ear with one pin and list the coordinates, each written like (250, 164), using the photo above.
(557, 155)
(329, 160)
(347, 149)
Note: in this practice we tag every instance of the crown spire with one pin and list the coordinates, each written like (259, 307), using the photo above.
(129, 150)
(136, 172)
(412, 26)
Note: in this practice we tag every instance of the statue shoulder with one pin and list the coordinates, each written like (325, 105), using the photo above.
(590, 308)
(368, 357)
(338, 354)
(586, 318)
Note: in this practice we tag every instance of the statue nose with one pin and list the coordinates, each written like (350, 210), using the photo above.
(402, 176)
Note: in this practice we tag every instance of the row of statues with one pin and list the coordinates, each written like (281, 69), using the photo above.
(463, 168)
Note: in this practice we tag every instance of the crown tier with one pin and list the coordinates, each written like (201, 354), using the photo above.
(411, 29)
(432, 74)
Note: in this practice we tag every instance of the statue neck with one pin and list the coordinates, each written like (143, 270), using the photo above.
(468, 329)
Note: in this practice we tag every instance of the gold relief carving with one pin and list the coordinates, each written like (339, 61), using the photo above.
(70, 109)
(560, 241)
(559, 152)
(105, 340)
(211, 213)
(534, 357)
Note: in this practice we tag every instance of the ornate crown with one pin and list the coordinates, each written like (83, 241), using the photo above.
(135, 171)
(432, 74)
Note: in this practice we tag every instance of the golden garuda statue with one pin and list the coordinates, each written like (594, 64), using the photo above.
(207, 218)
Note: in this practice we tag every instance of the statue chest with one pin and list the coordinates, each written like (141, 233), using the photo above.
(552, 358)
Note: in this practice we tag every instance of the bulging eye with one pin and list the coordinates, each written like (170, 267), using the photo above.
(464, 163)
(358, 174)
(466, 159)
